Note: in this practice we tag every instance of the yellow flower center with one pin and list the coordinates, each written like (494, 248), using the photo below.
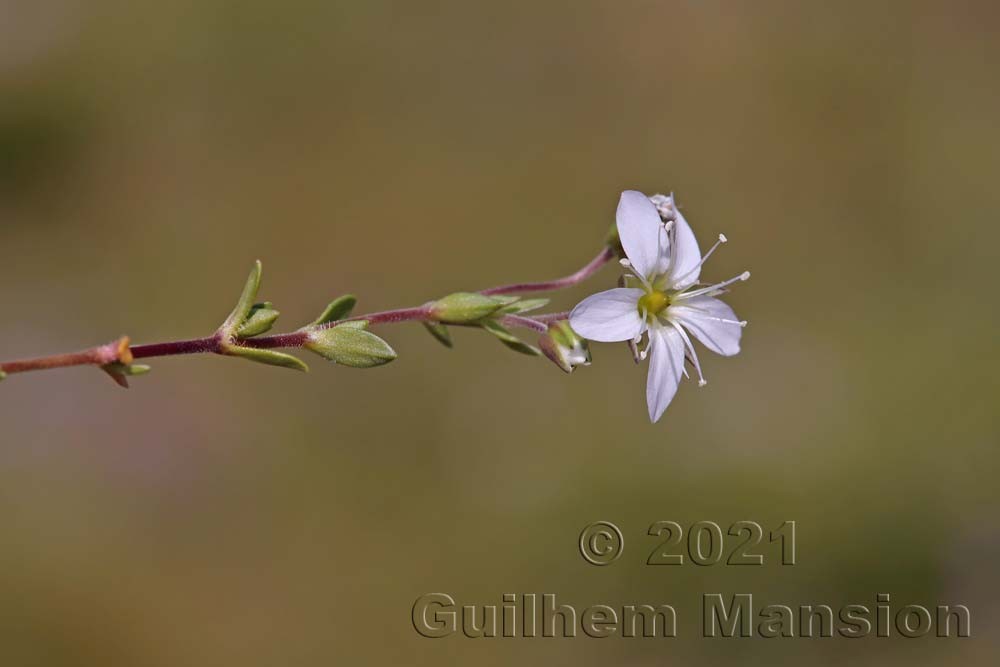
(653, 303)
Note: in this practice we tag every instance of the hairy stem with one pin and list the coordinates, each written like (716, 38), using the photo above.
(115, 351)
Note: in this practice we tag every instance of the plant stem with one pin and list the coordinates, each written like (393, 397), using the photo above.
(552, 317)
(119, 351)
(421, 313)
(532, 323)
(590, 269)
(194, 346)
(115, 351)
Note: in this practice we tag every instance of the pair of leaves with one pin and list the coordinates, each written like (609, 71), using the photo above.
(249, 319)
(347, 343)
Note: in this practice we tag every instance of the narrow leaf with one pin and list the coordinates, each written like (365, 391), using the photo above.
(440, 332)
(262, 317)
(355, 324)
(337, 309)
(523, 306)
(120, 372)
(242, 309)
(509, 339)
(269, 357)
(118, 377)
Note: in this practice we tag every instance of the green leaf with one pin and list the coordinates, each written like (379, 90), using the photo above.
(523, 306)
(120, 372)
(509, 339)
(464, 307)
(261, 318)
(440, 332)
(269, 357)
(350, 346)
(2, 376)
(242, 309)
(337, 309)
(355, 324)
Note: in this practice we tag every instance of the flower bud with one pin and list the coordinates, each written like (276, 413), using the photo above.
(350, 345)
(464, 307)
(564, 347)
(665, 206)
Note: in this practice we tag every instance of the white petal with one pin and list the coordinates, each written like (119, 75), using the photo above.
(639, 228)
(610, 316)
(686, 255)
(666, 364)
(711, 321)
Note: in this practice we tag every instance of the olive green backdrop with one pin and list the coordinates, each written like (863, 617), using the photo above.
(225, 513)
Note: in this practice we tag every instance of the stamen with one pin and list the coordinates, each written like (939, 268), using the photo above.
(649, 343)
(712, 288)
(628, 265)
(692, 354)
(722, 239)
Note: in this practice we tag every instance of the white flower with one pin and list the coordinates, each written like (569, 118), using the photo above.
(664, 261)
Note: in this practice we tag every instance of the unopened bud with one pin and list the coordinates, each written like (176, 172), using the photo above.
(350, 346)
(564, 347)
(664, 206)
(464, 307)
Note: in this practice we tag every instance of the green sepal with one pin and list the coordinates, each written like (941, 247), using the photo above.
(242, 309)
(509, 339)
(613, 241)
(440, 332)
(350, 346)
(269, 357)
(261, 318)
(465, 307)
(523, 306)
(337, 309)
(2, 376)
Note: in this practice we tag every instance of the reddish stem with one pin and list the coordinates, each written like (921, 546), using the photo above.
(119, 351)
(115, 351)
(590, 269)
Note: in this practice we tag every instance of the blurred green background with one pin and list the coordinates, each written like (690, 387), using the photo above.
(223, 512)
